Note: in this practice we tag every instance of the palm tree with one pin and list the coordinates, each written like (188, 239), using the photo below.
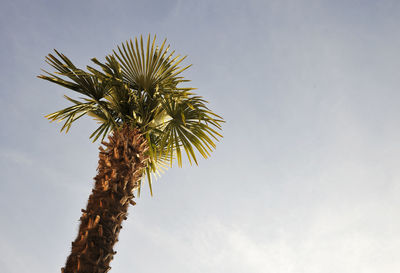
(149, 121)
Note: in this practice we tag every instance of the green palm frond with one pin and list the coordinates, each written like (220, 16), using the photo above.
(152, 69)
(190, 127)
(139, 84)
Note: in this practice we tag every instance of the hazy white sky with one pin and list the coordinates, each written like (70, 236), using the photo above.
(306, 179)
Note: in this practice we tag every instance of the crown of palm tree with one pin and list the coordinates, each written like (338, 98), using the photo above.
(138, 86)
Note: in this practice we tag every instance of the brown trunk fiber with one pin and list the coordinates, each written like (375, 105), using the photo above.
(121, 165)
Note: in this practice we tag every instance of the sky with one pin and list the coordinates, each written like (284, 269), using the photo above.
(305, 180)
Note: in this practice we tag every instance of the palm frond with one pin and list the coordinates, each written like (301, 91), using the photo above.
(190, 127)
(146, 70)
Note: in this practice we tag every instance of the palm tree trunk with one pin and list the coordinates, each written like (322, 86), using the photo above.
(120, 168)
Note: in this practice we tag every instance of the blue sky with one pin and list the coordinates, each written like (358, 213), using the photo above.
(306, 178)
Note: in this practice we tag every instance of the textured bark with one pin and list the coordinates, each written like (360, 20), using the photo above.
(120, 168)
